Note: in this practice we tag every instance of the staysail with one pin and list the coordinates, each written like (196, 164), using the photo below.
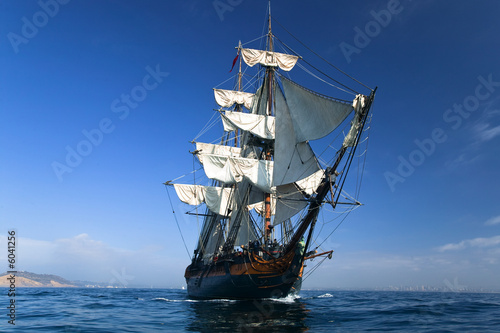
(313, 115)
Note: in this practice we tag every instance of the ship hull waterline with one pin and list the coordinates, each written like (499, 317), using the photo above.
(245, 280)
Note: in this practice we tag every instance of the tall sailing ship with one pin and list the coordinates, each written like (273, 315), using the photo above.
(266, 185)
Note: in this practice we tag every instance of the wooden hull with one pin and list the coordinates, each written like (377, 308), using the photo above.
(247, 278)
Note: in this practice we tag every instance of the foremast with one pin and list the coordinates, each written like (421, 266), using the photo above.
(268, 152)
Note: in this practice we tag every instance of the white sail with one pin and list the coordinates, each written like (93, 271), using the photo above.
(209, 148)
(227, 98)
(230, 170)
(358, 105)
(259, 207)
(292, 161)
(217, 199)
(261, 126)
(285, 203)
(290, 199)
(267, 58)
(313, 116)
(287, 200)
(310, 184)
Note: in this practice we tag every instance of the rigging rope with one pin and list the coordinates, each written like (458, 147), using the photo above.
(253, 40)
(338, 225)
(207, 126)
(184, 175)
(364, 161)
(313, 269)
(177, 222)
(341, 71)
(354, 92)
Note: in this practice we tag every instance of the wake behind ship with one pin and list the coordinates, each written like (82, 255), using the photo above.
(266, 184)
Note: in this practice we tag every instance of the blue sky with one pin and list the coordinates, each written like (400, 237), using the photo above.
(430, 190)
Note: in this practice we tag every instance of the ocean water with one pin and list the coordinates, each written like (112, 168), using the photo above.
(169, 310)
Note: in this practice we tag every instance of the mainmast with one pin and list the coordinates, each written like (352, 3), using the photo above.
(268, 157)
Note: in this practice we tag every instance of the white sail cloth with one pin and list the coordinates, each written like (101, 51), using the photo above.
(209, 148)
(310, 184)
(287, 200)
(230, 170)
(290, 201)
(313, 116)
(267, 58)
(227, 98)
(292, 161)
(217, 199)
(259, 125)
(260, 206)
(358, 104)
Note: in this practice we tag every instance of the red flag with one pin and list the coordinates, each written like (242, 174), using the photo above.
(234, 61)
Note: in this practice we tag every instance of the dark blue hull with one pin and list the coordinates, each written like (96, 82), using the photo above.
(228, 280)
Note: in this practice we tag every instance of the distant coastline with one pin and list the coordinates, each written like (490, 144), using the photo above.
(33, 280)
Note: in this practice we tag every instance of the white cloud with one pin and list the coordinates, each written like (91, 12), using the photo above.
(492, 221)
(83, 258)
(485, 132)
(476, 242)
(485, 128)
(462, 160)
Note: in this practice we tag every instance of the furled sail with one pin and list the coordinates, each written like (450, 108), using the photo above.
(313, 116)
(358, 105)
(217, 199)
(227, 98)
(231, 170)
(209, 148)
(310, 184)
(261, 126)
(267, 58)
(259, 207)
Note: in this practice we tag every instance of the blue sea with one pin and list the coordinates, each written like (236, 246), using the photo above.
(170, 310)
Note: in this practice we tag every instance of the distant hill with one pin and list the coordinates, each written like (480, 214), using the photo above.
(28, 279)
